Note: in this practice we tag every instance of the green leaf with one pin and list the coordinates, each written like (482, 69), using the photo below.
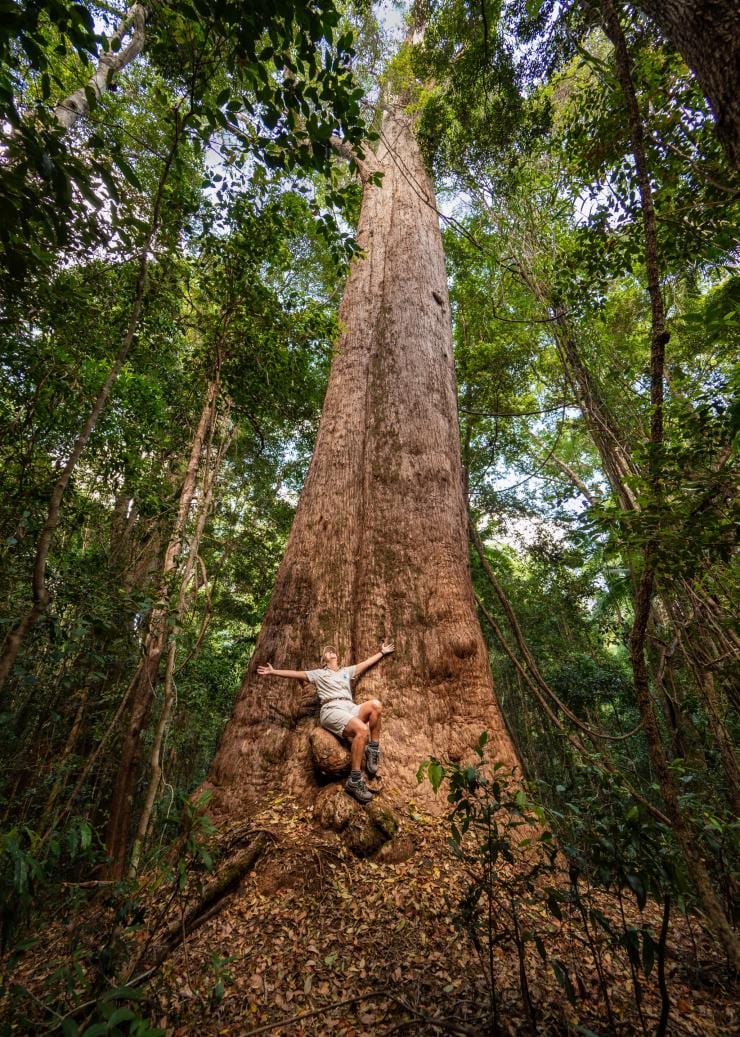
(436, 774)
(127, 170)
(95, 1030)
(638, 888)
(554, 906)
(85, 835)
(121, 1015)
(561, 974)
(649, 947)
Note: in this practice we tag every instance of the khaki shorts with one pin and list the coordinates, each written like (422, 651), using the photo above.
(335, 716)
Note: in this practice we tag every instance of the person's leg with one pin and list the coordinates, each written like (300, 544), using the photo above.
(370, 712)
(357, 733)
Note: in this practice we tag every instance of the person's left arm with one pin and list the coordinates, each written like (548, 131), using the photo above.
(385, 649)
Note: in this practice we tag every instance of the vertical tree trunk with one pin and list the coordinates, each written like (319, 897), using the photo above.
(681, 824)
(378, 547)
(602, 424)
(147, 674)
(69, 748)
(706, 33)
(210, 474)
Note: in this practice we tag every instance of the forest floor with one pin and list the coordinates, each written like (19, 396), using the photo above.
(318, 942)
(315, 941)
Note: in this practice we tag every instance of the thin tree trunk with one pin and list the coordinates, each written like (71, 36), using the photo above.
(69, 747)
(155, 775)
(619, 467)
(567, 471)
(378, 547)
(40, 591)
(123, 518)
(693, 634)
(603, 426)
(69, 111)
(537, 679)
(147, 673)
(643, 602)
(684, 738)
(210, 474)
(714, 711)
(87, 769)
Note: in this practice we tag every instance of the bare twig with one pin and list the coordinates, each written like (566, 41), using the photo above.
(451, 1025)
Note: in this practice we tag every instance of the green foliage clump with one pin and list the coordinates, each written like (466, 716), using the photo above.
(530, 864)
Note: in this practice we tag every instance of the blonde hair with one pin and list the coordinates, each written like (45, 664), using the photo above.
(324, 650)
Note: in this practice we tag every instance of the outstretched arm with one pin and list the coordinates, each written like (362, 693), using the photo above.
(268, 671)
(385, 649)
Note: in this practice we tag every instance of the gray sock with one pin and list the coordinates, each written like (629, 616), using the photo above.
(355, 776)
(374, 744)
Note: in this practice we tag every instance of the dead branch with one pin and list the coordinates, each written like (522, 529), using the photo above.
(212, 896)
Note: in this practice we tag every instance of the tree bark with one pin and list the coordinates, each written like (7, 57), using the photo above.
(211, 468)
(378, 547)
(69, 111)
(603, 427)
(706, 33)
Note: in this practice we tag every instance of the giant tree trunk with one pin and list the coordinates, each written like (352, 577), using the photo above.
(378, 547)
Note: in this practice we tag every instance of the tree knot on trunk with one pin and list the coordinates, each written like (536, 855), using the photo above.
(330, 755)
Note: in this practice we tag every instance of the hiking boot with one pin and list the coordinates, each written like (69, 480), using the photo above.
(372, 760)
(358, 790)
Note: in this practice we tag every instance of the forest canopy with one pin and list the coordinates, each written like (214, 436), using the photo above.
(191, 193)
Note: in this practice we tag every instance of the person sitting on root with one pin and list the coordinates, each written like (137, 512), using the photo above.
(340, 714)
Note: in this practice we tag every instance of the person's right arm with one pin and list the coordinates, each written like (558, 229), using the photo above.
(268, 671)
